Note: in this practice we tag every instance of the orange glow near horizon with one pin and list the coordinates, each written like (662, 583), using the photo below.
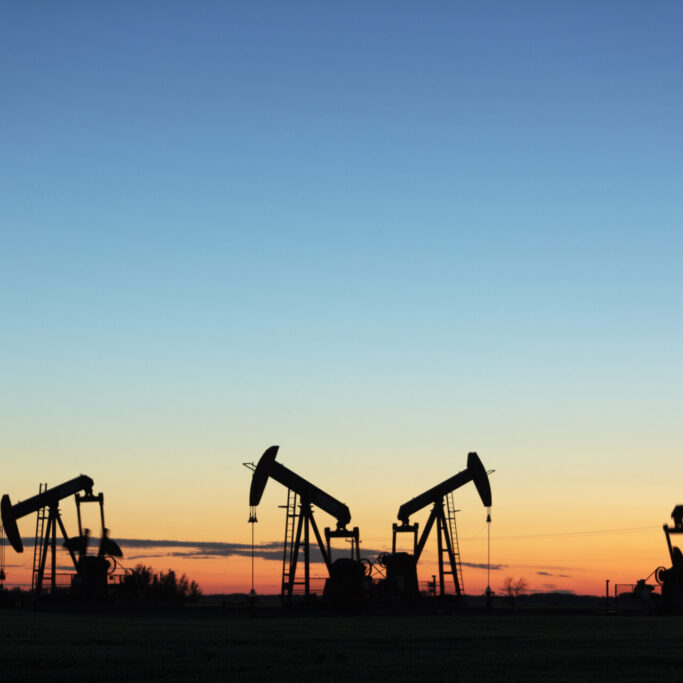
(577, 564)
(200, 522)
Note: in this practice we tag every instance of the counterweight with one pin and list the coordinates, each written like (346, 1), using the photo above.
(475, 472)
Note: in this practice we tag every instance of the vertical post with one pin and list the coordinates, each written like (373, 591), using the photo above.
(307, 555)
(100, 498)
(439, 531)
(668, 542)
(53, 583)
(606, 596)
(2, 554)
(66, 538)
(78, 512)
(43, 558)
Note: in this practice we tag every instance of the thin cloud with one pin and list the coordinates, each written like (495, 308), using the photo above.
(215, 549)
(208, 550)
(478, 565)
(550, 568)
(200, 549)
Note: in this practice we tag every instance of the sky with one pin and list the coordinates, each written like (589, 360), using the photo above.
(380, 235)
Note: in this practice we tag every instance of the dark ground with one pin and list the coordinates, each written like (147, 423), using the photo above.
(200, 644)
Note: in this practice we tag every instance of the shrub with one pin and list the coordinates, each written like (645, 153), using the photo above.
(144, 583)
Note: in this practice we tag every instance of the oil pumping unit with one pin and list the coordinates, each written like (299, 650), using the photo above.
(3, 576)
(346, 574)
(90, 580)
(401, 567)
(671, 579)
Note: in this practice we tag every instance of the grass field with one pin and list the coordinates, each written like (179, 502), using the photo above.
(511, 647)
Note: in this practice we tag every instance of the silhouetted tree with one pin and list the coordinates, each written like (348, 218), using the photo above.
(145, 584)
(513, 589)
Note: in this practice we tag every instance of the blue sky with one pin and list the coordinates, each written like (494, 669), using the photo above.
(379, 225)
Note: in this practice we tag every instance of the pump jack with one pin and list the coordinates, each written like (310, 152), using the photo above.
(301, 497)
(91, 571)
(402, 567)
(671, 579)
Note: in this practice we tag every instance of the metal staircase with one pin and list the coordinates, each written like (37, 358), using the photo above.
(453, 533)
(38, 544)
(290, 585)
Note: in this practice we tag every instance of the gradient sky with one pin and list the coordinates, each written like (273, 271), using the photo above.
(380, 235)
